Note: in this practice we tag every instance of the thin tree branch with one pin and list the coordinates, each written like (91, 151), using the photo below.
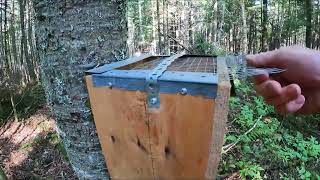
(228, 147)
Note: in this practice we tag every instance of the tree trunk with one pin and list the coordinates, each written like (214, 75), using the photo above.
(154, 30)
(141, 33)
(24, 42)
(71, 35)
(6, 54)
(33, 54)
(13, 39)
(244, 28)
(190, 27)
(1, 37)
(159, 30)
(308, 13)
(264, 38)
(250, 33)
(220, 34)
(214, 21)
(255, 36)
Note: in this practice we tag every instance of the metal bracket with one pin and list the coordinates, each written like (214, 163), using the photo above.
(152, 86)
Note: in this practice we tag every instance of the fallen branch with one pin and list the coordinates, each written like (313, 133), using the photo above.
(179, 43)
(228, 147)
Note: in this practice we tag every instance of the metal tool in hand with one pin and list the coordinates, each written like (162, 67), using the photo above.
(238, 69)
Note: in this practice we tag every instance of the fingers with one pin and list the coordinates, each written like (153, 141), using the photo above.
(286, 99)
(292, 106)
(286, 95)
(260, 78)
(312, 102)
(266, 59)
(269, 89)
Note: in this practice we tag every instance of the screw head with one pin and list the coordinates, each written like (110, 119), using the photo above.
(154, 100)
(184, 91)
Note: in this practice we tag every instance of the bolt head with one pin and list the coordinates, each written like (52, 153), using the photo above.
(110, 85)
(184, 91)
(154, 100)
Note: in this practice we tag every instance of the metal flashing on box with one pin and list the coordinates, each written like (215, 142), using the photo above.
(179, 74)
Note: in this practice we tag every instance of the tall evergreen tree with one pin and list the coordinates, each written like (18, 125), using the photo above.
(73, 36)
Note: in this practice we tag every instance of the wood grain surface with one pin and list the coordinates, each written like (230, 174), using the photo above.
(122, 125)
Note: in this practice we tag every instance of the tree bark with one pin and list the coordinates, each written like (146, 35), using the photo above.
(154, 30)
(308, 13)
(71, 35)
(141, 34)
(244, 28)
(214, 36)
(24, 43)
(264, 38)
(6, 54)
(13, 39)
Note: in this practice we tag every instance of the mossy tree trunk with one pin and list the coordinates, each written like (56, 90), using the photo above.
(73, 35)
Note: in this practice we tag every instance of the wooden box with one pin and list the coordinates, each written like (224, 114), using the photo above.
(161, 117)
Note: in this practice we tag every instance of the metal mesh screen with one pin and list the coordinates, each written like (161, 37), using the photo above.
(194, 64)
(184, 64)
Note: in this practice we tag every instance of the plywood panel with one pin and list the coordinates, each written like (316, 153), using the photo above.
(181, 134)
(122, 126)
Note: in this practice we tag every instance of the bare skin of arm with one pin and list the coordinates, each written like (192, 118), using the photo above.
(298, 89)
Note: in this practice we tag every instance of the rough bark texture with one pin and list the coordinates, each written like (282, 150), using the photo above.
(73, 35)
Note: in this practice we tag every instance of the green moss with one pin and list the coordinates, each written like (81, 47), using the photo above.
(87, 103)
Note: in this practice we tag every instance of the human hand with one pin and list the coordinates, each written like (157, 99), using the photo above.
(297, 90)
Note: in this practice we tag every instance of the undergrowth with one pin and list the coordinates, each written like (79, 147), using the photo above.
(50, 139)
(27, 103)
(263, 145)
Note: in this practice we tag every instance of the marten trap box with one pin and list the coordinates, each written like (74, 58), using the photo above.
(161, 117)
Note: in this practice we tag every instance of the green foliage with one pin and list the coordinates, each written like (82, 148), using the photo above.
(247, 169)
(271, 149)
(27, 103)
(31, 101)
(202, 46)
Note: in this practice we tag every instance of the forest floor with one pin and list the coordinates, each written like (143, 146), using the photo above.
(31, 149)
(261, 144)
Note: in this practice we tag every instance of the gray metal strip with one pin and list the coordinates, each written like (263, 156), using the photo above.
(191, 77)
(157, 80)
(170, 83)
(152, 85)
(119, 64)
